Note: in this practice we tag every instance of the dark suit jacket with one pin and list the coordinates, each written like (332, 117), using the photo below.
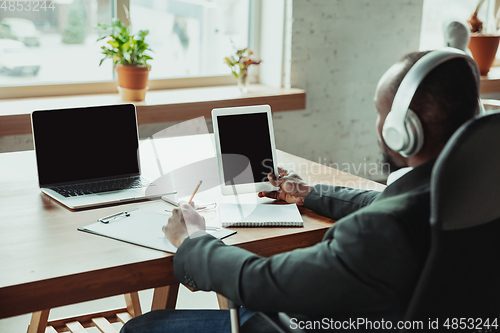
(366, 266)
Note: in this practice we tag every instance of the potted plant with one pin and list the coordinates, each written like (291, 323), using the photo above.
(239, 66)
(129, 56)
(483, 43)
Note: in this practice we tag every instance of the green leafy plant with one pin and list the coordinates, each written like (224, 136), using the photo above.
(239, 64)
(124, 48)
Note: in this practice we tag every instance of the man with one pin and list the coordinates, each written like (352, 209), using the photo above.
(368, 262)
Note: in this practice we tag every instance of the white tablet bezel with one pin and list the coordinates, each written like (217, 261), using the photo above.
(243, 188)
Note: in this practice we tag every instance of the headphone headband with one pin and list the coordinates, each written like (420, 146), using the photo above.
(402, 130)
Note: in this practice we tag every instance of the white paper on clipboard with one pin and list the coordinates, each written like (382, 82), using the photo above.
(143, 228)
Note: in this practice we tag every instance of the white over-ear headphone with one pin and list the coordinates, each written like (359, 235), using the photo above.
(402, 131)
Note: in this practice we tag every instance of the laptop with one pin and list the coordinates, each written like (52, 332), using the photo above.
(89, 157)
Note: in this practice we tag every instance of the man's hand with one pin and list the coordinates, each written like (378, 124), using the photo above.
(292, 188)
(184, 222)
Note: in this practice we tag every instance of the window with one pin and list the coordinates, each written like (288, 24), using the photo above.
(435, 12)
(57, 45)
(191, 37)
(53, 44)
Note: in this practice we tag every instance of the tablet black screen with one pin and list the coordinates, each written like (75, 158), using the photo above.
(245, 141)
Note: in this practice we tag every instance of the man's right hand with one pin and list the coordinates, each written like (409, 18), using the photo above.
(292, 188)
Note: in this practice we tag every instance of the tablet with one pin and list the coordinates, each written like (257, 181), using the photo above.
(246, 153)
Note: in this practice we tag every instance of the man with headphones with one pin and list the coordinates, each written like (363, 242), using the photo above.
(369, 261)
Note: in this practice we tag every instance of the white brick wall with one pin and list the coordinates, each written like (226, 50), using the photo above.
(340, 49)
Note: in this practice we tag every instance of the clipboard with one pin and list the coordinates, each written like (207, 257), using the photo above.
(144, 228)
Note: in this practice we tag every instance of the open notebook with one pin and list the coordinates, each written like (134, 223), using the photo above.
(260, 215)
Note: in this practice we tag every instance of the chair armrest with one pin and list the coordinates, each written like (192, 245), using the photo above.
(281, 322)
(234, 316)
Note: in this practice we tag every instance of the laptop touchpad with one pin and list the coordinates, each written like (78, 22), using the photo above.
(119, 195)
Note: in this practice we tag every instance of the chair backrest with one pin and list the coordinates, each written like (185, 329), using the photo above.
(461, 278)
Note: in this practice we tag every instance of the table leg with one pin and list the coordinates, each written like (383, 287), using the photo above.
(165, 297)
(222, 302)
(38, 322)
(133, 304)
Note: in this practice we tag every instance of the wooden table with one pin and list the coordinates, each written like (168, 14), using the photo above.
(45, 262)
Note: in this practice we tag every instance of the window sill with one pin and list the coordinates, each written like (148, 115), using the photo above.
(159, 106)
(491, 83)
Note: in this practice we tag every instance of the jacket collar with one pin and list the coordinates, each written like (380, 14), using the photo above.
(417, 177)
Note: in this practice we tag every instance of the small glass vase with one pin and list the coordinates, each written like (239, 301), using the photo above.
(243, 81)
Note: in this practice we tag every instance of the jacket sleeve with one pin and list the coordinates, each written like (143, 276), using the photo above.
(336, 202)
(365, 267)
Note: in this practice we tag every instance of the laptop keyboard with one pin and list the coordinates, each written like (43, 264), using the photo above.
(101, 186)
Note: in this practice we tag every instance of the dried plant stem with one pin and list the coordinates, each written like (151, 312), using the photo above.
(479, 6)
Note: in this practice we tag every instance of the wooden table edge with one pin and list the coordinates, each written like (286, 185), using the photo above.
(35, 296)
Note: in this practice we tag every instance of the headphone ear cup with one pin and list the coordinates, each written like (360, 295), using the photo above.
(392, 134)
(415, 134)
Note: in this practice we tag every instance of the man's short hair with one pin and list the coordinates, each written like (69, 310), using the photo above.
(444, 100)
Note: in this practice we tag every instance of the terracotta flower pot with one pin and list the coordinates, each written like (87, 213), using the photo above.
(133, 80)
(484, 48)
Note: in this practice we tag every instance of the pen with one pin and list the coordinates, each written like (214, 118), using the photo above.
(172, 202)
(106, 218)
(195, 190)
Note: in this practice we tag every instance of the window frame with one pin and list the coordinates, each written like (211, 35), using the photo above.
(119, 10)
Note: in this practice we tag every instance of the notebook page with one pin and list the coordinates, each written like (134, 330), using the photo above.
(263, 213)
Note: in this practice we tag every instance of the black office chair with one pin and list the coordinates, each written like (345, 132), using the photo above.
(271, 322)
(461, 278)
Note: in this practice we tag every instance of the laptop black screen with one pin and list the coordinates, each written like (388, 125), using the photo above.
(85, 143)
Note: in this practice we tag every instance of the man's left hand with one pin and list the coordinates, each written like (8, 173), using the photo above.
(184, 222)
